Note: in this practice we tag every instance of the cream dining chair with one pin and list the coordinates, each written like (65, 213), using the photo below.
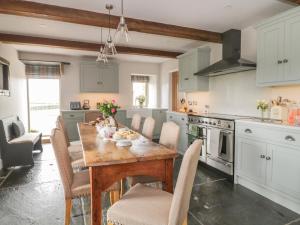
(169, 137)
(75, 149)
(151, 206)
(136, 122)
(75, 185)
(148, 128)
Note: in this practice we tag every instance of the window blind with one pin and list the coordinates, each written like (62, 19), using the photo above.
(140, 78)
(44, 71)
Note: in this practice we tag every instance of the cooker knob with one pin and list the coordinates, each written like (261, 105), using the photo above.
(209, 122)
(229, 126)
(214, 124)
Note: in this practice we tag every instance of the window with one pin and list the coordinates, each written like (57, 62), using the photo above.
(139, 89)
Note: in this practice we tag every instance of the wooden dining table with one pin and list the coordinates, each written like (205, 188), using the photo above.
(109, 163)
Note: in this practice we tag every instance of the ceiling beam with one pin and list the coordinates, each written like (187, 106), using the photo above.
(84, 46)
(295, 1)
(77, 16)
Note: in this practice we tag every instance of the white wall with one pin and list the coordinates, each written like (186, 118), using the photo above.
(16, 103)
(70, 87)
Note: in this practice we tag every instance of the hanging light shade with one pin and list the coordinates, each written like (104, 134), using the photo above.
(102, 57)
(122, 30)
(109, 48)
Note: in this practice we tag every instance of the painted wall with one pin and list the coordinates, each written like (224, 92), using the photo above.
(70, 90)
(16, 103)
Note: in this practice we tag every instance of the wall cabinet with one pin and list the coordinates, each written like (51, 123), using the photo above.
(190, 63)
(99, 78)
(278, 50)
(181, 120)
(268, 161)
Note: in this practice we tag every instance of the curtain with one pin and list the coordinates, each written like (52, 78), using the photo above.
(140, 78)
(44, 71)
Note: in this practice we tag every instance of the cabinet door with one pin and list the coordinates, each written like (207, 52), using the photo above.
(283, 169)
(270, 68)
(183, 139)
(71, 120)
(292, 55)
(251, 159)
(109, 78)
(160, 117)
(89, 77)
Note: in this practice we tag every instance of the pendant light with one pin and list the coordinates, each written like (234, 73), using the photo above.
(102, 57)
(109, 48)
(122, 30)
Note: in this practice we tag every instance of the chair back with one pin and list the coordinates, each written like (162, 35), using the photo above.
(182, 194)
(63, 160)
(60, 124)
(92, 115)
(169, 135)
(148, 127)
(136, 122)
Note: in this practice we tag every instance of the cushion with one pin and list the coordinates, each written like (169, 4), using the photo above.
(27, 137)
(18, 128)
(141, 205)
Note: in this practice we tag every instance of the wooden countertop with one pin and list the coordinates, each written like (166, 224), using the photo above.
(98, 152)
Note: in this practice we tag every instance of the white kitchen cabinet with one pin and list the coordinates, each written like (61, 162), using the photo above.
(267, 161)
(251, 157)
(181, 120)
(278, 50)
(190, 63)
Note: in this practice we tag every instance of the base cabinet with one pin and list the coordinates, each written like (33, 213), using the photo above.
(269, 164)
(71, 118)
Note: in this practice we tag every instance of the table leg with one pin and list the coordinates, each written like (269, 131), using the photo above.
(169, 175)
(96, 209)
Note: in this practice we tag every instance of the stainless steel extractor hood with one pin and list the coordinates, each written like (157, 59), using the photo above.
(232, 61)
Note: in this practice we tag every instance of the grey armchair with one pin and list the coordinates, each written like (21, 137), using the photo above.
(17, 151)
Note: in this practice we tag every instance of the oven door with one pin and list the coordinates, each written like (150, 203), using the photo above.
(226, 145)
(198, 132)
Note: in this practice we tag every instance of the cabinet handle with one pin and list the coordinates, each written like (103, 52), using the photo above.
(290, 138)
(279, 61)
(285, 61)
(186, 78)
(71, 115)
(268, 158)
(182, 119)
(262, 156)
(248, 131)
(99, 82)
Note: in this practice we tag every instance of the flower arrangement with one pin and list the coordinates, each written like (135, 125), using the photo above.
(141, 99)
(108, 108)
(262, 105)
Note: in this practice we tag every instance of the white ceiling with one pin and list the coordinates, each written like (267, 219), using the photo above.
(214, 15)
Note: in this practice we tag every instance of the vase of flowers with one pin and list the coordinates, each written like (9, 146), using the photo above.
(109, 110)
(262, 105)
(141, 100)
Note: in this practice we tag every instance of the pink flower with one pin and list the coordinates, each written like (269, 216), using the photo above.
(113, 110)
(113, 101)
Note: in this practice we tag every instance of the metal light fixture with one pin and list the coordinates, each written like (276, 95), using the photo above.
(102, 57)
(109, 48)
(122, 30)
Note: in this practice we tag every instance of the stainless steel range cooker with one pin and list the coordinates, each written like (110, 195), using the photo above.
(217, 133)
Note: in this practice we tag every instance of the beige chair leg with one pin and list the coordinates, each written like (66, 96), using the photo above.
(111, 198)
(122, 187)
(68, 211)
(114, 196)
(185, 222)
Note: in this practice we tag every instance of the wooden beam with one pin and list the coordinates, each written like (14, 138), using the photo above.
(77, 16)
(295, 1)
(85, 46)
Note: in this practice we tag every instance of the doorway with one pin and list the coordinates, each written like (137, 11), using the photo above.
(43, 104)
(175, 83)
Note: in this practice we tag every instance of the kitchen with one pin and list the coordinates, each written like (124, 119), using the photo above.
(240, 96)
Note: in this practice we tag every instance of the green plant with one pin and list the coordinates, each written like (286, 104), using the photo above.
(262, 105)
(108, 108)
(141, 99)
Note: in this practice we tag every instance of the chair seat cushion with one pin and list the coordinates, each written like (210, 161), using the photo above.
(141, 205)
(79, 163)
(27, 137)
(75, 148)
(141, 179)
(74, 143)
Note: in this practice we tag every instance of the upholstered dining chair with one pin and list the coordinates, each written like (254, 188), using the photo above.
(75, 185)
(75, 149)
(92, 115)
(168, 137)
(148, 127)
(150, 206)
(136, 122)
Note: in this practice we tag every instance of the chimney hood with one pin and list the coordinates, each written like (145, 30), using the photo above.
(232, 61)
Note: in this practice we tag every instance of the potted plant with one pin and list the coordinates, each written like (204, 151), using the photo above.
(109, 110)
(141, 100)
(262, 105)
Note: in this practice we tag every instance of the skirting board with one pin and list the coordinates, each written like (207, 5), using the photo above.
(1, 165)
(270, 194)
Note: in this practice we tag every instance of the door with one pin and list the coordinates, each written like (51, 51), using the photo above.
(175, 80)
(283, 169)
(292, 54)
(109, 79)
(90, 77)
(251, 159)
(270, 54)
